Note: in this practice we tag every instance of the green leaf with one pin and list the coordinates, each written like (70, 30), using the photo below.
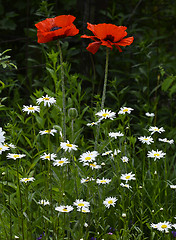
(167, 83)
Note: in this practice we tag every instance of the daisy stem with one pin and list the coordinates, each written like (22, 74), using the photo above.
(165, 168)
(9, 209)
(21, 204)
(104, 94)
(63, 92)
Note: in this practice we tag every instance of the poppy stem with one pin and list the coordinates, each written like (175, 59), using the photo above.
(63, 91)
(104, 94)
(105, 79)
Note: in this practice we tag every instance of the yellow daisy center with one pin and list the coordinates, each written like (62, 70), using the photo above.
(164, 226)
(156, 154)
(31, 108)
(5, 145)
(61, 161)
(27, 179)
(87, 158)
(125, 110)
(110, 202)
(83, 210)
(65, 209)
(46, 98)
(47, 157)
(93, 165)
(156, 129)
(47, 131)
(105, 114)
(0, 148)
(102, 181)
(127, 177)
(145, 139)
(81, 204)
(69, 145)
(15, 155)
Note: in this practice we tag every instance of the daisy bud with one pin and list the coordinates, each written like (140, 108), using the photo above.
(123, 215)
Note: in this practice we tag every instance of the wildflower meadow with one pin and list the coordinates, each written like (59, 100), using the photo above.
(81, 160)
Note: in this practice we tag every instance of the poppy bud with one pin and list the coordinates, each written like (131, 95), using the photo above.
(72, 113)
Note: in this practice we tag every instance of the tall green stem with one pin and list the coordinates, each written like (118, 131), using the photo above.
(63, 92)
(21, 204)
(105, 79)
(104, 94)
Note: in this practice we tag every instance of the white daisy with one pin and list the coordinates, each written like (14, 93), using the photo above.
(110, 201)
(68, 146)
(86, 224)
(49, 157)
(124, 110)
(166, 140)
(43, 202)
(83, 209)
(104, 114)
(163, 226)
(31, 179)
(3, 148)
(92, 165)
(124, 159)
(84, 180)
(156, 154)
(80, 203)
(116, 151)
(9, 145)
(92, 124)
(153, 225)
(60, 162)
(150, 114)
(46, 100)
(116, 134)
(125, 185)
(64, 208)
(88, 156)
(2, 137)
(49, 131)
(106, 153)
(156, 129)
(173, 186)
(31, 109)
(147, 140)
(127, 177)
(15, 156)
(103, 181)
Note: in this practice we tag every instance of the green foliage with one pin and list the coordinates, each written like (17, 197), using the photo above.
(142, 76)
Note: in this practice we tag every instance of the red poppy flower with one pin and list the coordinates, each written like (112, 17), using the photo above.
(107, 35)
(54, 28)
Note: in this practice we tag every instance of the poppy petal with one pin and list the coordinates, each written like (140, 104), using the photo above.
(93, 47)
(126, 41)
(45, 25)
(91, 37)
(64, 20)
(72, 31)
(42, 38)
(103, 30)
(107, 44)
(120, 50)
(53, 28)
